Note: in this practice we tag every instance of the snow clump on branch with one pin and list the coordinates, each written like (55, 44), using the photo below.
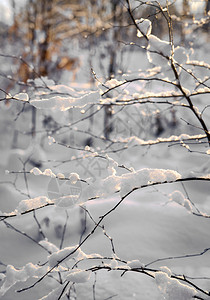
(47, 172)
(159, 51)
(22, 97)
(62, 103)
(172, 289)
(179, 198)
(145, 27)
(78, 276)
(63, 255)
(14, 275)
(32, 204)
(127, 182)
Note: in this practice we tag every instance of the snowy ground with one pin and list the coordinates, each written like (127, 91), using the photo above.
(144, 227)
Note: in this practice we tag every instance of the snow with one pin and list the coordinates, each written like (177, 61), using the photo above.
(30, 204)
(180, 55)
(5, 12)
(158, 50)
(66, 201)
(179, 198)
(110, 84)
(14, 275)
(134, 140)
(54, 294)
(172, 289)
(133, 264)
(145, 27)
(62, 103)
(63, 255)
(36, 171)
(166, 270)
(47, 172)
(73, 177)
(127, 182)
(60, 176)
(49, 246)
(78, 276)
(163, 3)
(51, 140)
(21, 97)
(43, 82)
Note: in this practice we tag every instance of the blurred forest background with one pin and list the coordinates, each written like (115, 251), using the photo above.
(73, 42)
(51, 36)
